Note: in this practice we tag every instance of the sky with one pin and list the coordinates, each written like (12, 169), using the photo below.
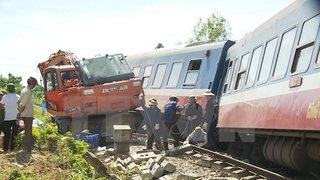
(31, 30)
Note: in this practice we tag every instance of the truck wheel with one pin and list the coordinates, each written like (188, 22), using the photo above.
(63, 125)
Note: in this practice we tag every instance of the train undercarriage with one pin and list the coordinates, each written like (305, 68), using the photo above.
(296, 150)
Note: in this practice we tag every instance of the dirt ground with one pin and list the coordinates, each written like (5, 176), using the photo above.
(35, 165)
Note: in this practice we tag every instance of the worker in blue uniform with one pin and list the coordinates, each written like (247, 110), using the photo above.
(152, 119)
(211, 119)
(170, 121)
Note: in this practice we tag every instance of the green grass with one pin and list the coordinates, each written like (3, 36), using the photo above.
(66, 157)
(38, 114)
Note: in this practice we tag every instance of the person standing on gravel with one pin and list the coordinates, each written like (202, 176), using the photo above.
(194, 115)
(152, 119)
(26, 112)
(170, 121)
(211, 119)
(10, 126)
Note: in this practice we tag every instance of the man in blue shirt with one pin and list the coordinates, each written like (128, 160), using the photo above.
(170, 121)
(152, 119)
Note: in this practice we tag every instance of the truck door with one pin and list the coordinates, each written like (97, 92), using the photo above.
(51, 91)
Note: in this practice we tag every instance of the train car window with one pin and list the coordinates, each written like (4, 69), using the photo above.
(161, 69)
(242, 72)
(305, 47)
(174, 74)
(136, 71)
(233, 75)
(194, 65)
(318, 59)
(146, 75)
(192, 73)
(284, 53)
(253, 67)
(267, 60)
(309, 30)
(228, 76)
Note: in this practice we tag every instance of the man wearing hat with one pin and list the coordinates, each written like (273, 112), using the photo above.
(194, 114)
(152, 119)
(210, 118)
(10, 126)
(170, 121)
(26, 112)
(198, 137)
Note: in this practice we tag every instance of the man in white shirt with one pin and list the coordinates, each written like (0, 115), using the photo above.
(26, 112)
(10, 126)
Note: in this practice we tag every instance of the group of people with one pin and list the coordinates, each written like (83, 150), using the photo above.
(14, 107)
(199, 130)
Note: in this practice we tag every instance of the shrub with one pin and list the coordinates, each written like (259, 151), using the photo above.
(16, 175)
(66, 155)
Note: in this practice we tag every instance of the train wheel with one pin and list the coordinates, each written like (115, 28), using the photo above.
(314, 149)
(268, 149)
(277, 151)
(289, 153)
(63, 125)
(285, 152)
(299, 157)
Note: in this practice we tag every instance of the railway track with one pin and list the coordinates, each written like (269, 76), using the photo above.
(221, 163)
(224, 164)
(234, 167)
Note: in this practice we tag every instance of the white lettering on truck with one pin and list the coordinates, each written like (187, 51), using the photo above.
(115, 88)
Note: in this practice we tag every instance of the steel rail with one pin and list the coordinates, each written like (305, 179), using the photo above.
(249, 167)
(241, 164)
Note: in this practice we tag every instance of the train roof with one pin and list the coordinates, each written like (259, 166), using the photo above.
(197, 46)
(283, 20)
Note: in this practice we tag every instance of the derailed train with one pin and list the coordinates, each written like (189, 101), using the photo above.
(267, 84)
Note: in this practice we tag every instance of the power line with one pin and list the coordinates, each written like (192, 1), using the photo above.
(16, 65)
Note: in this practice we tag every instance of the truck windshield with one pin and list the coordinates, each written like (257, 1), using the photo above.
(105, 69)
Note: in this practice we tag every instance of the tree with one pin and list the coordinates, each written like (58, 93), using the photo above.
(38, 94)
(159, 46)
(16, 80)
(216, 28)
